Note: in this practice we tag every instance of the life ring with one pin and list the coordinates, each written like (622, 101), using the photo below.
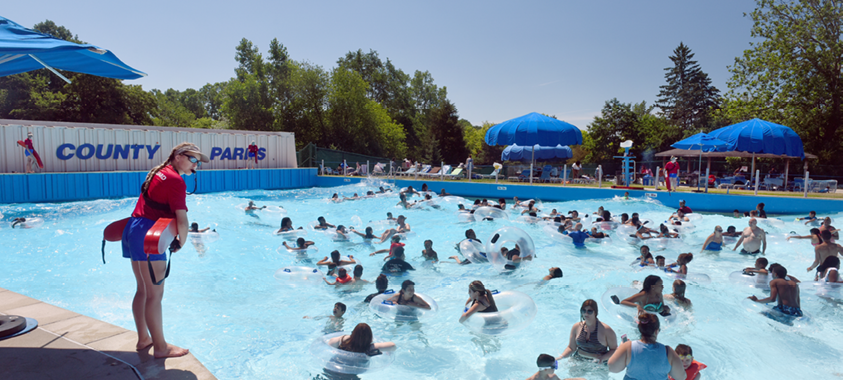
(204, 237)
(693, 217)
(729, 240)
(473, 251)
(291, 235)
(389, 310)
(700, 278)
(602, 241)
(298, 252)
(504, 236)
(351, 363)
(665, 243)
(269, 209)
(298, 276)
(489, 212)
(29, 223)
(14, 325)
(766, 309)
(753, 280)
(465, 217)
(823, 289)
(626, 313)
(606, 225)
(684, 228)
(382, 225)
(529, 219)
(552, 230)
(450, 201)
(515, 312)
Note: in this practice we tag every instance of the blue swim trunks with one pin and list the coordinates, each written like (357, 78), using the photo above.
(133, 236)
(789, 310)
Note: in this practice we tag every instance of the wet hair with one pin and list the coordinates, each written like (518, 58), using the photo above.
(358, 270)
(396, 238)
(591, 303)
(684, 349)
(648, 326)
(194, 227)
(360, 340)
(335, 256)
(382, 282)
(829, 262)
(763, 261)
(607, 216)
(405, 284)
(335, 196)
(624, 217)
(730, 229)
(300, 242)
(340, 227)
(469, 233)
(644, 246)
(182, 148)
(679, 287)
(341, 306)
(659, 257)
(663, 229)
(826, 235)
(558, 219)
(342, 273)
(398, 253)
(320, 219)
(369, 233)
(545, 361)
(761, 205)
(501, 201)
(461, 206)
(477, 286)
(812, 213)
(286, 221)
(428, 241)
(556, 273)
(685, 258)
(779, 270)
(477, 201)
(649, 282)
(389, 215)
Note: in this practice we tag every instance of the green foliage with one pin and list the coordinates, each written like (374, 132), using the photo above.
(792, 74)
(446, 128)
(688, 98)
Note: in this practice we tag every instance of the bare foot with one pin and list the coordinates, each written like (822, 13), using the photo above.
(171, 352)
(143, 344)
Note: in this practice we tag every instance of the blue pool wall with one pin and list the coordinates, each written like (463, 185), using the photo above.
(63, 187)
(723, 203)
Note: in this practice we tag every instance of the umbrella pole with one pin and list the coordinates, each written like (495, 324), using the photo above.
(786, 169)
(753, 166)
(699, 171)
(531, 164)
(49, 68)
(707, 171)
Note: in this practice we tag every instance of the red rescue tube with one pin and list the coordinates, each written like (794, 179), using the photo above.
(114, 231)
(159, 236)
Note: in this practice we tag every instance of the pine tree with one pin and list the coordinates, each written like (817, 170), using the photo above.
(688, 98)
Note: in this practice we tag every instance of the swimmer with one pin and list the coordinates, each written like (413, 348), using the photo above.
(731, 232)
(357, 278)
(759, 210)
(389, 216)
(443, 193)
(396, 242)
(812, 217)
(678, 294)
(369, 194)
(381, 283)
(553, 214)
(407, 296)
(599, 211)
(784, 291)
(760, 267)
(301, 245)
(360, 341)
(714, 242)
(678, 218)
(470, 235)
(825, 249)
(286, 225)
(590, 339)
(480, 300)
(660, 261)
(18, 221)
(402, 201)
(650, 298)
(555, 272)
(335, 262)
(682, 262)
(397, 263)
(826, 226)
(194, 227)
(501, 204)
(575, 216)
(753, 238)
(336, 198)
(336, 314)
(342, 232)
(409, 190)
(424, 187)
(547, 368)
(514, 254)
(683, 208)
(625, 220)
(692, 367)
(342, 278)
(428, 253)
(369, 235)
(323, 225)
(815, 236)
(597, 234)
(664, 232)
(531, 209)
(251, 207)
(461, 208)
(829, 270)
(577, 235)
(353, 198)
(641, 232)
(737, 214)
(646, 257)
(606, 216)
(626, 195)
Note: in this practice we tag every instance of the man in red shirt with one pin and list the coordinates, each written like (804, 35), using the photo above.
(683, 208)
(671, 174)
(252, 156)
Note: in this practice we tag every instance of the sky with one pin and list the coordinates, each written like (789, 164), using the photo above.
(498, 59)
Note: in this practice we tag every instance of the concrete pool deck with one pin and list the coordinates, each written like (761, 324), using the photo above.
(67, 345)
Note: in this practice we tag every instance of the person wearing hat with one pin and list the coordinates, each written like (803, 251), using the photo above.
(162, 195)
(32, 157)
(253, 152)
(671, 174)
(683, 208)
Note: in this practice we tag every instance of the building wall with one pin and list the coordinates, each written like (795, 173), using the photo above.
(62, 187)
(83, 147)
(697, 201)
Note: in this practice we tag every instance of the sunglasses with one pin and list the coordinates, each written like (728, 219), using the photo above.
(587, 311)
(684, 357)
(193, 160)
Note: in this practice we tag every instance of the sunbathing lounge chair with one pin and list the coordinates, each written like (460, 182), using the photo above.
(524, 174)
(490, 175)
(409, 171)
(454, 174)
(433, 172)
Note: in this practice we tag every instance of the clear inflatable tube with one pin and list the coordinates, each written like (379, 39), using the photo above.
(489, 212)
(382, 225)
(692, 217)
(606, 226)
(626, 313)
(473, 251)
(604, 240)
(298, 252)
(508, 235)
(553, 232)
(529, 219)
(700, 278)
(755, 280)
(465, 217)
(516, 311)
(292, 234)
(823, 289)
(351, 363)
(204, 237)
(766, 309)
(388, 310)
(299, 276)
(30, 223)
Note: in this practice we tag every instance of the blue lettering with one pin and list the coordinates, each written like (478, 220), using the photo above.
(152, 149)
(136, 150)
(88, 149)
(60, 151)
(261, 153)
(121, 150)
(238, 153)
(215, 151)
(226, 154)
(107, 153)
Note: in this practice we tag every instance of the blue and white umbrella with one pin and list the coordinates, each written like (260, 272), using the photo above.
(704, 143)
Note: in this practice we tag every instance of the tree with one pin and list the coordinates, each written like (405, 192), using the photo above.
(792, 76)
(447, 130)
(247, 100)
(688, 98)
(616, 123)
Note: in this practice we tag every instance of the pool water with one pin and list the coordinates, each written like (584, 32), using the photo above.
(223, 302)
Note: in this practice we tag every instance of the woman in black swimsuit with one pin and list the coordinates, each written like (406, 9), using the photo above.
(590, 339)
(407, 296)
(480, 300)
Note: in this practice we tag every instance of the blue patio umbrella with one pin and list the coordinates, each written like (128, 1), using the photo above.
(761, 136)
(547, 153)
(704, 143)
(534, 128)
(23, 50)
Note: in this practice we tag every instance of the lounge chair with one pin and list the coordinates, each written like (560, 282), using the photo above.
(433, 172)
(520, 178)
(490, 175)
(409, 171)
(424, 170)
(444, 171)
(545, 177)
(454, 174)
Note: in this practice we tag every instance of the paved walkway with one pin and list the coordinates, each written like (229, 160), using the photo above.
(67, 345)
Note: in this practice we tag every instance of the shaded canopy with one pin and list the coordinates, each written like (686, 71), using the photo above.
(23, 50)
(532, 129)
(701, 141)
(697, 153)
(761, 136)
(543, 153)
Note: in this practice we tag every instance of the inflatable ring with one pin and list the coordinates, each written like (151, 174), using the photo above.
(351, 363)
(204, 237)
(606, 226)
(295, 276)
(766, 309)
(729, 240)
(604, 240)
(298, 252)
(291, 235)
(389, 310)
(684, 228)
(450, 201)
(489, 212)
(472, 250)
(465, 217)
(664, 243)
(529, 219)
(382, 225)
(30, 223)
(508, 235)
(753, 280)
(699, 278)
(823, 289)
(626, 313)
(515, 312)
(772, 222)
(692, 217)
(552, 230)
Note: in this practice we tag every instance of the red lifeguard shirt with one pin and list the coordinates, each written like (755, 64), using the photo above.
(166, 187)
(671, 168)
